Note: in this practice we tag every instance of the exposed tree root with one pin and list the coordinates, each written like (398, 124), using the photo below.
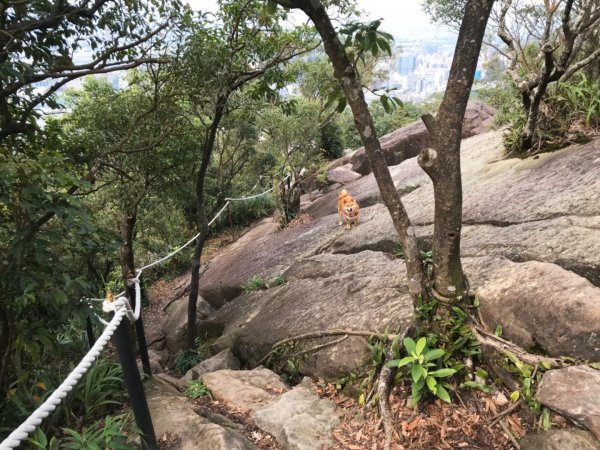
(319, 334)
(503, 346)
(317, 347)
(384, 386)
(155, 341)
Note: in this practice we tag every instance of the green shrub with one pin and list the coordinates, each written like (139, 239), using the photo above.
(253, 284)
(98, 392)
(197, 389)
(111, 432)
(420, 362)
(186, 359)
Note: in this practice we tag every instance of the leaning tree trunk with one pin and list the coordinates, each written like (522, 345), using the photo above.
(349, 80)
(535, 99)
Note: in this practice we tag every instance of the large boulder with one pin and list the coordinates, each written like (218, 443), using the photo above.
(173, 414)
(175, 325)
(222, 360)
(545, 209)
(569, 439)
(408, 141)
(342, 175)
(574, 392)
(541, 306)
(299, 420)
(365, 291)
(245, 390)
(264, 253)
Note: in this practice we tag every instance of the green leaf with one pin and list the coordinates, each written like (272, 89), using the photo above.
(404, 361)
(417, 391)
(431, 384)
(395, 347)
(498, 331)
(417, 372)
(595, 365)
(420, 346)
(474, 385)
(546, 423)
(341, 105)
(409, 345)
(481, 373)
(476, 301)
(514, 396)
(434, 354)
(271, 7)
(442, 373)
(442, 393)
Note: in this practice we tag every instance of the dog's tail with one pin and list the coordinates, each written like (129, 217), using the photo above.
(343, 193)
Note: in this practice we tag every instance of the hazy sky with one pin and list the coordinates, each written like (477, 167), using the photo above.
(403, 18)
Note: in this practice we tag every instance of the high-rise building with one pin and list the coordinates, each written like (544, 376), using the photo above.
(406, 64)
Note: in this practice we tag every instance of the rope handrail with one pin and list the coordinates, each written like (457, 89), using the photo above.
(121, 307)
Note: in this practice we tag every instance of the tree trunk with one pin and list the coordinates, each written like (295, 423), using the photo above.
(526, 139)
(6, 348)
(442, 161)
(127, 257)
(202, 222)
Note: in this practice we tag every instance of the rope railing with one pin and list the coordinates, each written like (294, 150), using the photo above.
(121, 308)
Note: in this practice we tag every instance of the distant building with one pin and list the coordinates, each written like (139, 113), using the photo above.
(407, 64)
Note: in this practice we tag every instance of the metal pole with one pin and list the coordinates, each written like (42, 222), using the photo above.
(90, 332)
(139, 330)
(135, 388)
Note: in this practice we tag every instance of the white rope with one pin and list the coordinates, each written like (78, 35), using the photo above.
(241, 199)
(44, 410)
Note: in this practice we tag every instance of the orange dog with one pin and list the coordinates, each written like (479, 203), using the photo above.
(348, 208)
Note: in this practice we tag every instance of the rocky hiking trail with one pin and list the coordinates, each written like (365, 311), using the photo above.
(530, 246)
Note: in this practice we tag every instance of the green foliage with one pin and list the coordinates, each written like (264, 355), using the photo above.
(254, 284)
(111, 432)
(424, 368)
(581, 99)
(503, 96)
(367, 38)
(101, 390)
(530, 377)
(240, 214)
(331, 141)
(186, 359)
(197, 389)
(290, 373)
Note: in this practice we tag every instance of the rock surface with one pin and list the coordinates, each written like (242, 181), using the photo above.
(365, 291)
(342, 175)
(172, 413)
(299, 420)
(543, 212)
(222, 360)
(570, 439)
(246, 390)
(531, 301)
(573, 392)
(408, 141)
(175, 326)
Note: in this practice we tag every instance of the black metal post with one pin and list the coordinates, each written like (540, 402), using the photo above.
(135, 387)
(139, 329)
(90, 332)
